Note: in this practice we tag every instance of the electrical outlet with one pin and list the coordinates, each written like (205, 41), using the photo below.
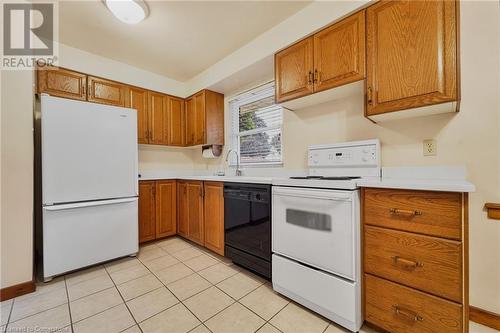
(430, 147)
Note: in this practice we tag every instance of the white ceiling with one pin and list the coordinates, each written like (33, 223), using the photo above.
(179, 39)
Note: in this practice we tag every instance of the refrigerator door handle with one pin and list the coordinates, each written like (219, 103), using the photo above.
(89, 204)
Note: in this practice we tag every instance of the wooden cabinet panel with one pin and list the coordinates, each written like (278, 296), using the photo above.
(182, 209)
(293, 70)
(158, 118)
(427, 263)
(62, 83)
(430, 213)
(176, 121)
(190, 121)
(166, 208)
(195, 211)
(412, 55)
(199, 119)
(137, 99)
(214, 216)
(400, 309)
(106, 91)
(339, 53)
(147, 219)
(214, 118)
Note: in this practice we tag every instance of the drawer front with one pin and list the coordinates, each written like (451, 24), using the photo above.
(427, 263)
(401, 309)
(430, 213)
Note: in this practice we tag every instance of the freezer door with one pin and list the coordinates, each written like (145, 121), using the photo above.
(89, 151)
(83, 234)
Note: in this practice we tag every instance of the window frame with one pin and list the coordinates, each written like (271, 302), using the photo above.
(249, 96)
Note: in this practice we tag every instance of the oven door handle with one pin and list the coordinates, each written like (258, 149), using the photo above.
(312, 195)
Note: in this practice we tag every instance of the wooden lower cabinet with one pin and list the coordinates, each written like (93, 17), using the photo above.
(182, 209)
(157, 209)
(166, 208)
(194, 199)
(415, 262)
(200, 217)
(147, 211)
(188, 208)
(214, 216)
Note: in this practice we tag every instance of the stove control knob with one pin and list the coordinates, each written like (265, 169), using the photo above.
(364, 159)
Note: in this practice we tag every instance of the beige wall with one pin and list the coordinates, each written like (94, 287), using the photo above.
(16, 204)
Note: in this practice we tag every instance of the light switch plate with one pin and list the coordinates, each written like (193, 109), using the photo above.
(430, 147)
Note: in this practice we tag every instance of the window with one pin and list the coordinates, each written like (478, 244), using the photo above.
(256, 127)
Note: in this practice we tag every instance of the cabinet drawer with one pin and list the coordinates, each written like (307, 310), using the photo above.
(401, 309)
(430, 213)
(423, 262)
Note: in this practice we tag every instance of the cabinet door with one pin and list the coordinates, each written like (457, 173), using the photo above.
(293, 71)
(176, 121)
(190, 121)
(137, 99)
(411, 54)
(61, 83)
(182, 209)
(105, 91)
(195, 211)
(158, 118)
(339, 53)
(166, 208)
(199, 122)
(214, 216)
(147, 222)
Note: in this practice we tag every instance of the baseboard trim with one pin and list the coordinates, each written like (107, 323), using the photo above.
(17, 290)
(484, 317)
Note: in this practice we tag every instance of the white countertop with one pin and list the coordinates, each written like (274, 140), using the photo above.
(437, 178)
(450, 179)
(233, 179)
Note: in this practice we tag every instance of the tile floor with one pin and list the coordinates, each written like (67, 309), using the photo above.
(172, 286)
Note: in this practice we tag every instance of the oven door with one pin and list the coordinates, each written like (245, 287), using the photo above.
(319, 228)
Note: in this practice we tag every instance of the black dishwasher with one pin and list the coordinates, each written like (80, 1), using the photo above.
(247, 226)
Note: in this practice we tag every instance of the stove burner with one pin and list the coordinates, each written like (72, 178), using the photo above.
(324, 178)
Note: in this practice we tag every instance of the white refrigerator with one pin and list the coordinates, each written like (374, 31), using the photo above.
(89, 185)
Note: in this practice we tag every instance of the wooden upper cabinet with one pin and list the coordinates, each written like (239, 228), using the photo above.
(339, 53)
(166, 208)
(147, 212)
(176, 132)
(158, 118)
(214, 216)
(214, 118)
(138, 99)
(412, 58)
(62, 83)
(182, 209)
(294, 71)
(190, 121)
(106, 91)
(205, 118)
(199, 119)
(195, 211)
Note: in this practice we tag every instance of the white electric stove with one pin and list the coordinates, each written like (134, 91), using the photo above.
(316, 230)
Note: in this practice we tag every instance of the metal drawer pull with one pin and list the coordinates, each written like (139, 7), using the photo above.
(406, 262)
(406, 313)
(397, 211)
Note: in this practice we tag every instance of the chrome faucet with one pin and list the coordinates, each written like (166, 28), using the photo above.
(238, 171)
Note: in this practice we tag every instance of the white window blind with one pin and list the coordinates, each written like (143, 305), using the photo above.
(256, 126)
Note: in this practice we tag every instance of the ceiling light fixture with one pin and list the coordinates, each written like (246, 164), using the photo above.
(128, 11)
